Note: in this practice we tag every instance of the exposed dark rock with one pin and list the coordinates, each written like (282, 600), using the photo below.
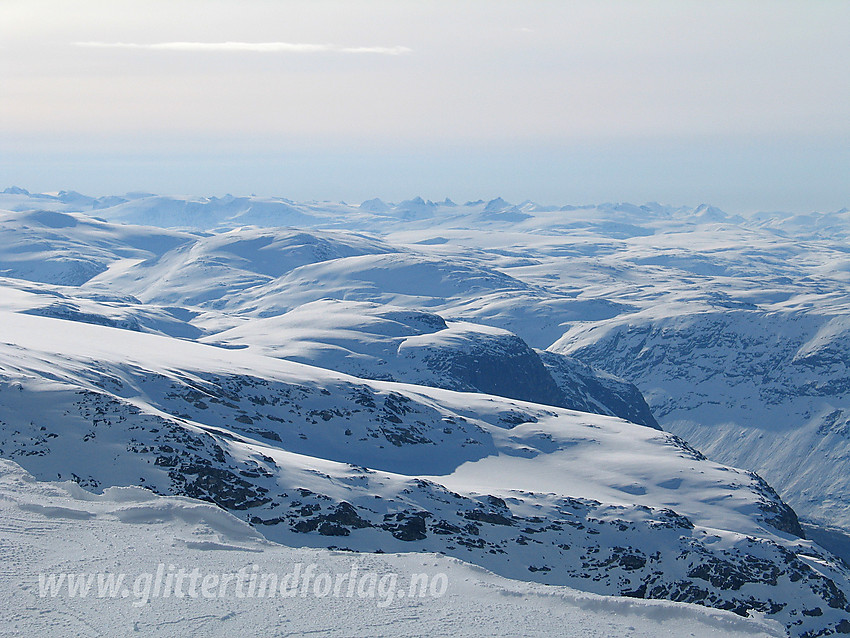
(586, 389)
(488, 517)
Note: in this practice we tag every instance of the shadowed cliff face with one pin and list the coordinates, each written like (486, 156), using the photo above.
(504, 365)
(501, 364)
(389, 343)
(587, 389)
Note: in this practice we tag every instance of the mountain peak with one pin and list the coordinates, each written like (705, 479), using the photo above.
(15, 190)
(497, 205)
(375, 205)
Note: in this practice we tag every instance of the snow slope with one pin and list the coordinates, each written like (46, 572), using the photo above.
(62, 248)
(374, 341)
(55, 528)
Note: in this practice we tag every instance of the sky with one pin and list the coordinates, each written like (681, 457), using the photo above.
(741, 104)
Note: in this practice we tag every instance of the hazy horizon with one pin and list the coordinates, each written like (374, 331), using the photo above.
(741, 105)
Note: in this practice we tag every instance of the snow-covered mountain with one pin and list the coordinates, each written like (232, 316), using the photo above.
(437, 377)
(765, 390)
(374, 341)
(316, 458)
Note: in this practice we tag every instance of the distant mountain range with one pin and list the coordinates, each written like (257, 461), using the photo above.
(528, 388)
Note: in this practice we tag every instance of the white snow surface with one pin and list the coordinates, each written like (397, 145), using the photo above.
(55, 528)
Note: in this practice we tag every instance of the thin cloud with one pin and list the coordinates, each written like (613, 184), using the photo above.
(257, 47)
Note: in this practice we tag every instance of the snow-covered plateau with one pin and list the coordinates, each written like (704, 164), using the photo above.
(560, 409)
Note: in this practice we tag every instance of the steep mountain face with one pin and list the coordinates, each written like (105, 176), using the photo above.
(311, 457)
(372, 341)
(489, 361)
(762, 390)
(587, 389)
